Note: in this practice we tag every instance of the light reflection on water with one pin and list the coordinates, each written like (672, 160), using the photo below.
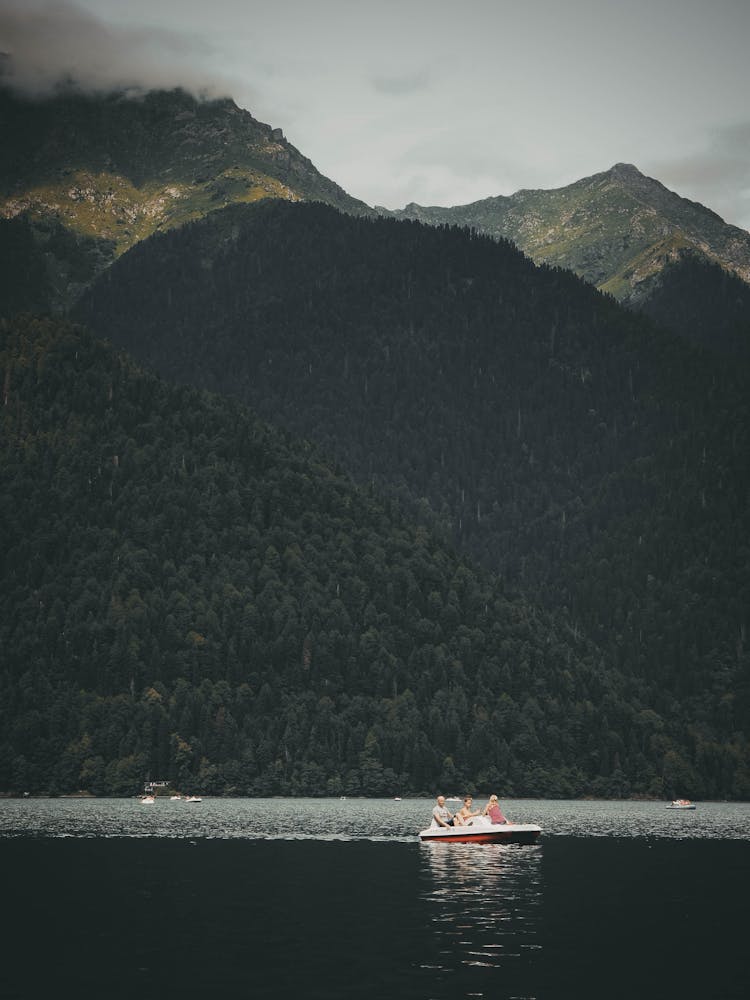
(353, 819)
(232, 913)
(485, 905)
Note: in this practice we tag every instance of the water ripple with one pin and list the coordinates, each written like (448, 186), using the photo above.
(378, 820)
(485, 903)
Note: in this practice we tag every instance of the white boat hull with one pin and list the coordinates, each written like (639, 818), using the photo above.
(482, 831)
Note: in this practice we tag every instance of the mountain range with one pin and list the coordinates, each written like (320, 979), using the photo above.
(84, 178)
(481, 523)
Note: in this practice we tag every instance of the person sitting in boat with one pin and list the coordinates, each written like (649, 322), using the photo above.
(465, 813)
(441, 815)
(493, 810)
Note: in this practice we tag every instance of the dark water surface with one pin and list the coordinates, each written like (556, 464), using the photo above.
(102, 902)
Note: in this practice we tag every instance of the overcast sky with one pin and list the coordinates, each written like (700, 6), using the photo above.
(439, 102)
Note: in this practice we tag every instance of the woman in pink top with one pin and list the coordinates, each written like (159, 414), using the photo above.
(493, 810)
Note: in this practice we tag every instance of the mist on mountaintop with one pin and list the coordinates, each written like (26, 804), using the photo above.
(45, 47)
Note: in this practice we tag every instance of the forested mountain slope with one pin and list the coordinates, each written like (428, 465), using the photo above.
(705, 303)
(186, 594)
(86, 176)
(590, 460)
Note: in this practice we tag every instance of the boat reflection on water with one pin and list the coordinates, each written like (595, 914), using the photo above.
(485, 902)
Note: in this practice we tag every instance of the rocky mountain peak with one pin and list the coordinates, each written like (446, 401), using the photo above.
(84, 177)
(625, 171)
(618, 229)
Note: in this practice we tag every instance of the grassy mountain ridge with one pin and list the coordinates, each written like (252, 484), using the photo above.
(107, 171)
(594, 462)
(188, 594)
(616, 229)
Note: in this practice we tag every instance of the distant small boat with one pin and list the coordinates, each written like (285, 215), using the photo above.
(175, 798)
(147, 800)
(193, 798)
(397, 798)
(681, 804)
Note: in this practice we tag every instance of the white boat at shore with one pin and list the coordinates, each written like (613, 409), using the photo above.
(681, 804)
(480, 830)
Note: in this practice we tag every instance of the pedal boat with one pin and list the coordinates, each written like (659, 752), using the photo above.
(481, 830)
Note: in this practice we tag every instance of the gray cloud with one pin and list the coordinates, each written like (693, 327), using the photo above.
(413, 101)
(718, 175)
(48, 43)
(401, 85)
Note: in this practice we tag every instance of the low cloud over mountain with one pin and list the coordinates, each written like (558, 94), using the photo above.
(46, 45)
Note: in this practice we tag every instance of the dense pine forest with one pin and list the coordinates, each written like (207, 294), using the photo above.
(704, 302)
(188, 594)
(592, 462)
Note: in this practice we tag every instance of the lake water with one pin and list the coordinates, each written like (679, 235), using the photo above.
(335, 899)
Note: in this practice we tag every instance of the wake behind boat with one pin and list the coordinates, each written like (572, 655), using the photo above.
(481, 830)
